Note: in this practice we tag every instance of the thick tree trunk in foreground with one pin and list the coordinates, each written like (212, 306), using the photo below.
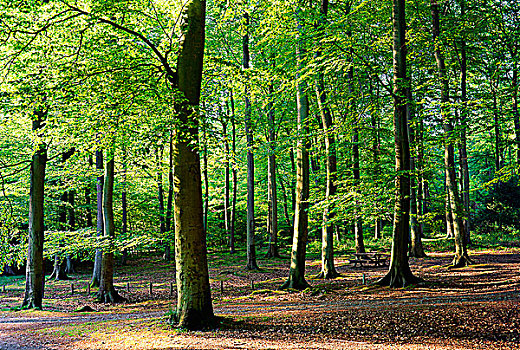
(194, 307)
(35, 270)
(296, 278)
(251, 250)
(107, 292)
(461, 255)
(96, 272)
(399, 274)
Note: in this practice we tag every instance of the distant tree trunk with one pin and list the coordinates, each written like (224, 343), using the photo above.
(496, 123)
(293, 182)
(516, 115)
(416, 246)
(35, 268)
(296, 279)
(96, 273)
(376, 148)
(461, 255)
(272, 223)
(169, 204)
(235, 177)
(226, 175)
(251, 251)
(124, 208)
(69, 263)
(464, 127)
(399, 274)
(194, 307)
(288, 219)
(107, 292)
(60, 265)
(328, 270)
(206, 180)
(88, 200)
(160, 197)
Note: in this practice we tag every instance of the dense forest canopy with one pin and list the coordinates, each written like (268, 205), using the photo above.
(86, 80)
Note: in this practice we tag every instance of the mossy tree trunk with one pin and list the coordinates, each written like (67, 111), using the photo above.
(35, 269)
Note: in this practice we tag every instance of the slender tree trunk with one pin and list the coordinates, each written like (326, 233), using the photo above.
(206, 180)
(69, 263)
(328, 270)
(516, 115)
(288, 219)
(107, 292)
(399, 274)
(464, 127)
(416, 246)
(35, 268)
(296, 279)
(88, 200)
(169, 204)
(160, 197)
(271, 183)
(251, 250)
(226, 176)
(124, 208)
(96, 273)
(234, 175)
(461, 255)
(376, 148)
(194, 307)
(496, 122)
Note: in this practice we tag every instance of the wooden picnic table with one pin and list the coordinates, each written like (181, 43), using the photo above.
(374, 258)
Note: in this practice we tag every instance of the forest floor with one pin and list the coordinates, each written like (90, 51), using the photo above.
(477, 307)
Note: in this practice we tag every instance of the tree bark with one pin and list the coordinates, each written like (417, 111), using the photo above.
(400, 274)
(235, 177)
(516, 115)
(296, 279)
(96, 272)
(194, 307)
(226, 175)
(35, 268)
(251, 250)
(461, 255)
(124, 208)
(272, 216)
(107, 292)
(328, 270)
(169, 203)
(88, 201)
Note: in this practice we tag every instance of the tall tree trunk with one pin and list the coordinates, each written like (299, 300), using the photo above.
(69, 263)
(416, 246)
(496, 123)
(96, 272)
(107, 292)
(399, 274)
(35, 268)
(272, 223)
(328, 270)
(251, 250)
(194, 307)
(461, 255)
(376, 148)
(296, 279)
(464, 127)
(206, 180)
(160, 197)
(234, 175)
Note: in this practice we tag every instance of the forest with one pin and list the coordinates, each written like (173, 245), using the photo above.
(279, 143)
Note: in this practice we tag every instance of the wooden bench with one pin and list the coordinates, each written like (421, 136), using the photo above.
(374, 258)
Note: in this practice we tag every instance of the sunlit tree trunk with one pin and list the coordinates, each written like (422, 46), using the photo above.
(194, 306)
(107, 292)
(96, 272)
(250, 224)
(296, 279)
(461, 256)
(35, 268)
(234, 175)
(516, 115)
(272, 223)
(399, 274)
(124, 207)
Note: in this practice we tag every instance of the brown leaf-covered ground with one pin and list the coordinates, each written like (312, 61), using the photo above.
(476, 307)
